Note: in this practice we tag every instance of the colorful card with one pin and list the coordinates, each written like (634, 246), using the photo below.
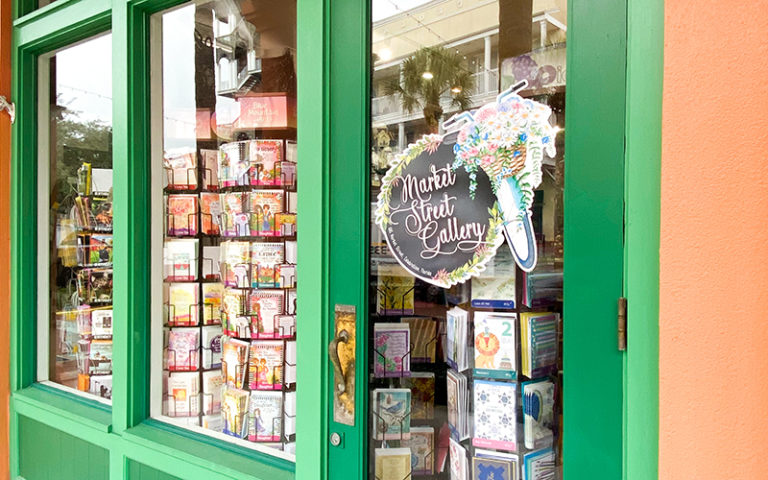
(422, 386)
(395, 288)
(100, 357)
(266, 158)
(494, 417)
(266, 259)
(183, 304)
(99, 249)
(182, 215)
(234, 411)
(235, 320)
(492, 465)
(211, 343)
(265, 308)
(210, 213)
(181, 170)
(183, 393)
(538, 413)
(495, 353)
(423, 337)
(180, 259)
(458, 461)
(539, 465)
(234, 361)
(101, 323)
(265, 417)
(264, 206)
(212, 386)
(392, 413)
(495, 286)
(393, 463)
(212, 297)
(392, 345)
(266, 365)
(236, 264)
(422, 445)
(234, 164)
(183, 349)
(234, 215)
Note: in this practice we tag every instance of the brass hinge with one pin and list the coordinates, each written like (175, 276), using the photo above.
(622, 330)
(10, 107)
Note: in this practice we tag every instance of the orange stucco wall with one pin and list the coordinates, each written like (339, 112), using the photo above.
(714, 242)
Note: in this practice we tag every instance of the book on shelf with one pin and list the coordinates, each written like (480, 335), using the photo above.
(538, 413)
(392, 345)
(422, 385)
(424, 338)
(212, 386)
(181, 170)
(94, 249)
(392, 413)
(183, 394)
(266, 362)
(456, 348)
(266, 159)
(539, 343)
(493, 465)
(265, 416)
(539, 465)
(458, 461)
(392, 463)
(183, 349)
(180, 259)
(265, 205)
(94, 285)
(422, 445)
(266, 259)
(234, 361)
(182, 215)
(183, 303)
(234, 412)
(457, 404)
(211, 340)
(265, 308)
(495, 419)
(495, 345)
(210, 213)
(100, 207)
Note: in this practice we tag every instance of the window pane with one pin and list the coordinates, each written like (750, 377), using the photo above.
(224, 311)
(76, 199)
(465, 349)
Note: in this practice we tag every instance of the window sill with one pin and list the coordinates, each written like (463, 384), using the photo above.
(209, 453)
(64, 406)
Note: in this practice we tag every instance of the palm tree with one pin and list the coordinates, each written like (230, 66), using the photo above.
(428, 75)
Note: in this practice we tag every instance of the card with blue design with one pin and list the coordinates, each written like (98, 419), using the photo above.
(492, 465)
(495, 416)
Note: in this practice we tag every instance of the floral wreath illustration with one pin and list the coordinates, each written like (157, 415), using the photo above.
(507, 139)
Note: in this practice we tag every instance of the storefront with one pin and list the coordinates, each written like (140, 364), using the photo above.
(335, 239)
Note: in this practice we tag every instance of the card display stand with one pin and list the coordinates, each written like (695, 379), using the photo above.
(213, 231)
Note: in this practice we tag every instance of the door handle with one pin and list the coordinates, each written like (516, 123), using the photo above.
(333, 351)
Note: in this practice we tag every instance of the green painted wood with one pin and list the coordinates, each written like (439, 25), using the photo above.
(645, 69)
(47, 453)
(594, 217)
(58, 25)
(313, 174)
(348, 105)
(139, 471)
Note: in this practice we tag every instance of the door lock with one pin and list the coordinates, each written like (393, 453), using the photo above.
(335, 439)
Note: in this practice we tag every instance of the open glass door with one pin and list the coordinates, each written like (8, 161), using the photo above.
(480, 293)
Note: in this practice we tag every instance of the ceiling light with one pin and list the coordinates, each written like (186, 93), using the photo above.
(456, 89)
(385, 54)
(427, 75)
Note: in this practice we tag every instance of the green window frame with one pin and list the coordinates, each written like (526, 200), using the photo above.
(132, 439)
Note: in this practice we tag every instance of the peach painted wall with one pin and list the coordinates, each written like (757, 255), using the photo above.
(714, 242)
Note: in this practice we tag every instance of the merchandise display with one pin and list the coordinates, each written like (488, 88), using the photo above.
(230, 229)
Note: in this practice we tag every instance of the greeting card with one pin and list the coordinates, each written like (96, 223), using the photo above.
(391, 352)
(422, 445)
(265, 416)
(393, 463)
(236, 264)
(266, 157)
(266, 365)
(212, 386)
(234, 410)
(183, 392)
(494, 340)
(265, 308)
(180, 259)
(494, 418)
(392, 413)
(181, 169)
(210, 213)
(182, 215)
(212, 297)
(266, 259)
(264, 206)
(422, 386)
(182, 304)
(234, 361)
(183, 349)
(234, 164)
(538, 413)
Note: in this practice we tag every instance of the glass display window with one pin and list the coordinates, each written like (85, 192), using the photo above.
(224, 185)
(75, 213)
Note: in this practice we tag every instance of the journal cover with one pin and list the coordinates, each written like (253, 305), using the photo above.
(266, 157)
(234, 361)
(234, 410)
(264, 206)
(265, 417)
(266, 259)
(265, 308)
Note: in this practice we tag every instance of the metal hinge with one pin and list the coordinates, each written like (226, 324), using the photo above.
(622, 330)
(10, 107)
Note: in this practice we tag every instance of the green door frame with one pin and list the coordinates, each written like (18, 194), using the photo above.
(613, 157)
(333, 57)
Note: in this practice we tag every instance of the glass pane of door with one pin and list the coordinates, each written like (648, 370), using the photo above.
(75, 218)
(224, 239)
(465, 293)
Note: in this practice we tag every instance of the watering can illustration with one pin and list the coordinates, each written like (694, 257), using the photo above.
(507, 139)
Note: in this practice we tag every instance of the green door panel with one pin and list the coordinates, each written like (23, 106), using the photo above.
(46, 454)
(139, 471)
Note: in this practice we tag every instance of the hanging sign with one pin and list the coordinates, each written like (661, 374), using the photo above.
(447, 202)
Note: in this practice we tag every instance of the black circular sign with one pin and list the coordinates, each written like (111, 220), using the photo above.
(433, 226)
